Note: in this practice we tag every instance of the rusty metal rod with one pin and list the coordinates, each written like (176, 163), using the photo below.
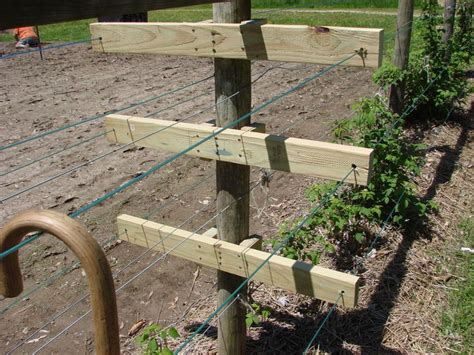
(89, 253)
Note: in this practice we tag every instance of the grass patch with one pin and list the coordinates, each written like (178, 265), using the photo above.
(330, 3)
(458, 319)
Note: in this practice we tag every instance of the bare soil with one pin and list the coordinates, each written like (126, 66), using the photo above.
(74, 83)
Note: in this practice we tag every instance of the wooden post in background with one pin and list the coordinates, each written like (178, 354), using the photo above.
(233, 180)
(449, 16)
(402, 50)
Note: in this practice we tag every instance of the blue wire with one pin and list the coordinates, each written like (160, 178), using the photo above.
(320, 328)
(129, 106)
(54, 46)
(3, 173)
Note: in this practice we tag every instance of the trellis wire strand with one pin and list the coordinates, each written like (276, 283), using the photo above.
(54, 46)
(320, 328)
(3, 173)
(96, 117)
(52, 178)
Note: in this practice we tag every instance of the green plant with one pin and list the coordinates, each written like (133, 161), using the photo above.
(457, 319)
(256, 314)
(436, 71)
(154, 339)
(432, 87)
(348, 218)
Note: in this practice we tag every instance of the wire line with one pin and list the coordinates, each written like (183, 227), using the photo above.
(54, 46)
(320, 328)
(96, 117)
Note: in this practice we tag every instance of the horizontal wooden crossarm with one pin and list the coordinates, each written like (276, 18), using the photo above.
(295, 276)
(250, 40)
(301, 156)
(16, 13)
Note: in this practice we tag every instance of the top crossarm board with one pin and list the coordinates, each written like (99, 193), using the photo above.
(16, 13)
(250, 40)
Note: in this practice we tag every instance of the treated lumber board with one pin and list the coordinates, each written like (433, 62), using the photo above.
(288, 43)
(295, 276)
(302, 156)
(16, 13)
(254, 243)
(211, 233)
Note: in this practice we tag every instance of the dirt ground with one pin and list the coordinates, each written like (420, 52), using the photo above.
(74, 83)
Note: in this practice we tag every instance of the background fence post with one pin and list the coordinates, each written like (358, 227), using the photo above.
(449, 16)
(233, 180)
(402, 50)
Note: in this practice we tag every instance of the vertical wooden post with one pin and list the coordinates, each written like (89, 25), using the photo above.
(233, 180)
(449, 16)
(402, 50)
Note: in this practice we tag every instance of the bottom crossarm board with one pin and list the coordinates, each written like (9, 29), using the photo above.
(295, 276)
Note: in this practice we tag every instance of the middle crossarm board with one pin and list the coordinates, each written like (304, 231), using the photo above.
(292, 275)
(288, 43)
(295, 155)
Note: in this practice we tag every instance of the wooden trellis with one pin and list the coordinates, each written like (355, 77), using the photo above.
(248, 40)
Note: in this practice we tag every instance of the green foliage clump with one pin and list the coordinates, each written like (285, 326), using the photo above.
(154, 339)
(349, 217)
(436, 71)
(257, 314)
(433, 83)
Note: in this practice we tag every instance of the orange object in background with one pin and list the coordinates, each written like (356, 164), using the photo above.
(24, 33)
(26, 37)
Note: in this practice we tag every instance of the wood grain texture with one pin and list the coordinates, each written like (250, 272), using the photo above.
(288, 43)
(232, 180)
(295, 276)
(16, 13)
(89, 253)
(302, 156)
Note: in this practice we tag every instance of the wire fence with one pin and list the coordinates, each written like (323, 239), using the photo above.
(191, 147)
(302, 84)
(235, 295)
(47, 48)
(147, 216)
(384, 224)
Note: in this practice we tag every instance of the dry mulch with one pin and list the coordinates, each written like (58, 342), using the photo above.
(405, 283)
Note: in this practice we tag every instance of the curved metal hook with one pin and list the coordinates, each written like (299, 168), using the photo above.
(89, 253)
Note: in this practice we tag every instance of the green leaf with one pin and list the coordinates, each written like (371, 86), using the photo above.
(173, 333)
(163, 334)
(143, 338)
(152, 346)
(166, 351)
(360, 237)
(265, 314)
